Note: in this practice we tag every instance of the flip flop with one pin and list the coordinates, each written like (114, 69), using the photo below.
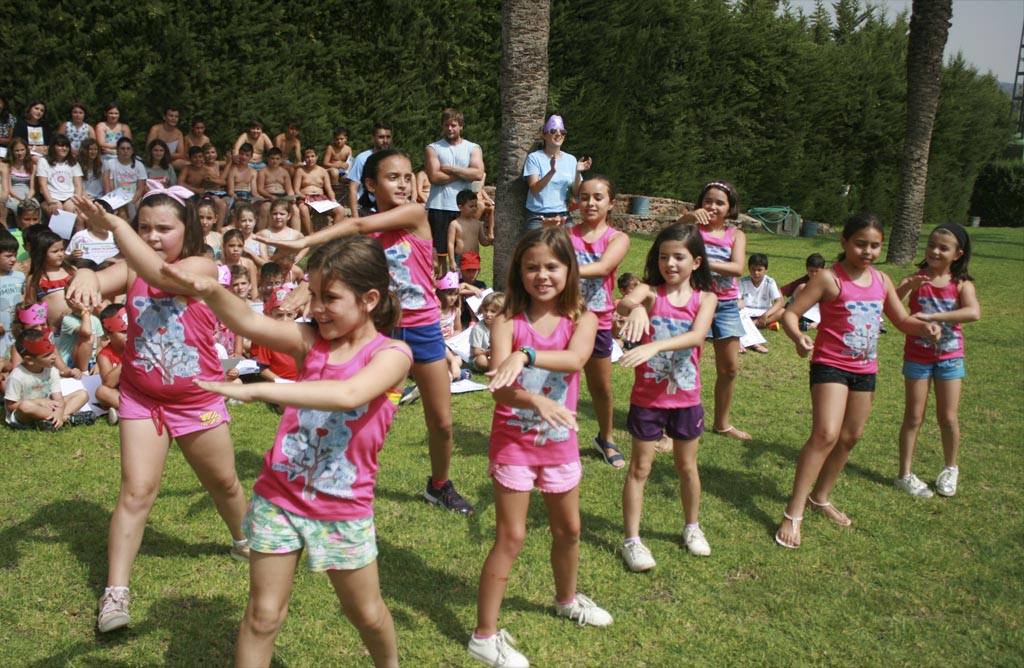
(733, 432)
(616, 460)
(834, 515)
(796, 528)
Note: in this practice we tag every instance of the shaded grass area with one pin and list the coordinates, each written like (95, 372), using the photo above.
(913, 582)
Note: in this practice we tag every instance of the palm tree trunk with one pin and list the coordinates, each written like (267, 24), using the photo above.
(929, 28)
(525, 25)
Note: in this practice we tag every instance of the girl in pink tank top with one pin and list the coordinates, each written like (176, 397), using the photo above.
(941, 292)
(599, 250)
(404, 233)
(539, 344)
(169, 345)
(670, 313)
(727, 258)
(315, 491)
(851, 298)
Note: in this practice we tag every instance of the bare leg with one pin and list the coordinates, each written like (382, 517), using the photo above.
(598, 371)
(727, 364)
(640, 463)
(916, 396)
(858, 407)
(510, 508)
(564, 520)
(270, 587)
(359, 593)
(436, 393)
(947, 410)
(211, 455)
(142, 466)
(689, 477)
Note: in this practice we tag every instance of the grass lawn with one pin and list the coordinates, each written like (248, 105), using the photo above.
(933, 582)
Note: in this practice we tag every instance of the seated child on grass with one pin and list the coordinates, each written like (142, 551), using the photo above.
(32, 397)
(80, 331)
(275, 364)
(759, 291)
(470, 285)
(114, 319)
(451, 323)
(480, 337)
(815, 262)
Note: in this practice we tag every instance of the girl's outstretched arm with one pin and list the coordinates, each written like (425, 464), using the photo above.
(969, 311)
(822, 287)
(386, 370)
(611, 258)
(897, 313)
(140, 257)
(508, 364)
(291, 338)
(691, 339)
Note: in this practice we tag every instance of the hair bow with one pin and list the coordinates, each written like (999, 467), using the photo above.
(179, 194)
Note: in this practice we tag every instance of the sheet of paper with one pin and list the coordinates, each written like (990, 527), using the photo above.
(323, 206)
(474, 302)
(463, 386)
(247, 367)
(813, 314)
(87, 383)
(63, 223)
(753, 312)
(751, 334)
(116, 199)
(616, 351)
(459, 344)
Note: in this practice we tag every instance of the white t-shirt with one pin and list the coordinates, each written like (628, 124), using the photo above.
(125, 177)
(97, 250)
(60, 178)
(760, 297)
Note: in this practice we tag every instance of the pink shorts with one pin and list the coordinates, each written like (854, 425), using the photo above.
(178, 421)
(554, 479)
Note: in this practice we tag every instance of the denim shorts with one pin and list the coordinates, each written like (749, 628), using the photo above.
(951, 369)
(681, 424)
(555, 479)
(330, 545)
(426, 342)
(727, 322)
(856, 382)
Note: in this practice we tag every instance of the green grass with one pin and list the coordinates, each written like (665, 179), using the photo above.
(913, 582)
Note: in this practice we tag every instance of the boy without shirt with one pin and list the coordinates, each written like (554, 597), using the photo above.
(337, 156)
(272, 182)
(214, 182)
(170, 134)
(197, 135)
(258, 142)
(241, 176)
(473, 228)
(312, 183)
(291, 147)
(193, 175)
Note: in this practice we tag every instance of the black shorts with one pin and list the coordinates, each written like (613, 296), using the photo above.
(856, 382)
(439, 220)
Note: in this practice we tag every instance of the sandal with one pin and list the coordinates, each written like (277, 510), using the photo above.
(615, 460)
(733, 432)
(796, 528)
(831, 512)
(664, 444)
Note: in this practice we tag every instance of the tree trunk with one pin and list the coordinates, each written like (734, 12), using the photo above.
(525, 25)
(929, 27)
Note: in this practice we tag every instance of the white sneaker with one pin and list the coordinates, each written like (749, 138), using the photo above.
(696, 543)
(637, 557)
(497, 651)
(913, 486)
(584, 611)
(112, 417)
(945, 484)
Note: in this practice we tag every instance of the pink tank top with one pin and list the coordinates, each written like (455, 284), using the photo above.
(929, 299)
(324, 463)
(669, 379)
(598, 292)
(518, 435)
(720, 250)
(410, 263)
(170, 342)
(847, 336)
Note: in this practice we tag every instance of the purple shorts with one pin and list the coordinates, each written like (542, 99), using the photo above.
(554, 479)
(178, 421)
(681, 424)
(603, 343)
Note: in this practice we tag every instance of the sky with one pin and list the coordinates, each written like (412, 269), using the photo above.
(988, 32)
